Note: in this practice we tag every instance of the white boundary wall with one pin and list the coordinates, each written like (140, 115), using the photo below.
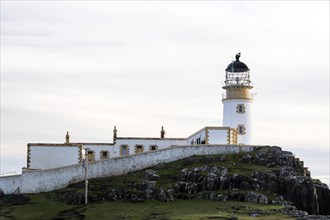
(35, 181)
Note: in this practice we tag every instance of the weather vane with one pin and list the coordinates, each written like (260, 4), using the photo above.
(238, 56)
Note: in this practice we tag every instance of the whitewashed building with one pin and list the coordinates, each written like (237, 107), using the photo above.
(237, 105)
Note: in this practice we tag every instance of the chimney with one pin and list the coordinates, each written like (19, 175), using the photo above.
(67, 138)
(162, 133)
(114, 134)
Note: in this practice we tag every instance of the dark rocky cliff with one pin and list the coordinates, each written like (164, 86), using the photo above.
(291, 180)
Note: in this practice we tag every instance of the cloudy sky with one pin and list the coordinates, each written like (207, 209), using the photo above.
(85, 66)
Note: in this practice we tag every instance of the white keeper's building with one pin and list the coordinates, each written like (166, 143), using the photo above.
(237, 106)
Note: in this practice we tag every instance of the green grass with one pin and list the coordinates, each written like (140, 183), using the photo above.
(43, 208)
(182, 209)
(40, 207)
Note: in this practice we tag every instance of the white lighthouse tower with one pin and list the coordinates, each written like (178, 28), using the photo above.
(237, 101)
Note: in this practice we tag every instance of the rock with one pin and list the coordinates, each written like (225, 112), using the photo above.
(191, 160)
(93, 198)
(235, 196)
(200, 169)
(180, 186)
(264, 176)
(221, 198)
(169, 194)
(255, 198)
(150, 185)
(287, 171)
(191, 188)
(274, 149)
(134, 198)
(246, 158)
(148, 194)
(262, 162)
(212, 181)
(292, 210)
(151, 175)
(259, 212)
(112, 196)
(222, 171)
(161, 196)
(222, 158)
(207, 159)
(314, 217)
(301, 191)
(240, 182)
(145, 185)
(323, 195)
(271, 164)
(195, 177)
(73, 198)
(183, 174)
(266, 181)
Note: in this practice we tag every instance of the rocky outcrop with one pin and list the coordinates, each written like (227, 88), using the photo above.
(255, 198)
(280, 175)
(323, 195)
(301, 191)
(289, 178)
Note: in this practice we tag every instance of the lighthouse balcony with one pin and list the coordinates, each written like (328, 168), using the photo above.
(237, 95)
(243, 83)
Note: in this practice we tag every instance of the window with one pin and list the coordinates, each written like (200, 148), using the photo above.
(138, 149)
(240, 108)
(91, 156)
(124, 150)
(104, 154)
(241, 129)
(153, 147)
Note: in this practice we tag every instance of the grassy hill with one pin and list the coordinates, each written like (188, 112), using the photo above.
(127, 196)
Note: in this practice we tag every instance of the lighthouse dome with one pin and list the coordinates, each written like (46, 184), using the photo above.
(237, 66)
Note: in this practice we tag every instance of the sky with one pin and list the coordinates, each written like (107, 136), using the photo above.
(85, 66)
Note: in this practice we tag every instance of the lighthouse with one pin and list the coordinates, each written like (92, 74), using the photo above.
(237, 100)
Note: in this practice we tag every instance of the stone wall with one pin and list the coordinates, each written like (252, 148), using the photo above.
(35, 181)
(10, 184)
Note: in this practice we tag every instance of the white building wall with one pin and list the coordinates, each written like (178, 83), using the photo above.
(232, 119)
(97, 148)
(201, 135)
(36, 181)
(217, 136)
(160, 143)
(48, 157)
